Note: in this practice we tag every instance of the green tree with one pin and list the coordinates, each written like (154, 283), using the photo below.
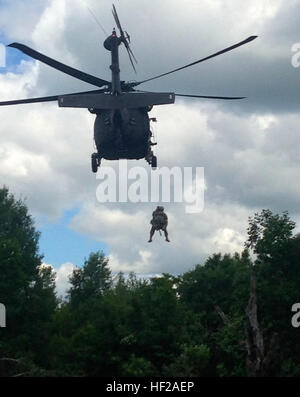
(216, 295)
(268, 234)
(81, 340)
(277, 269)
(26, 287)
(193, 361)
(90, 281)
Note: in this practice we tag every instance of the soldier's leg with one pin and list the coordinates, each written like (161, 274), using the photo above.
(151, 234)
(166, 234)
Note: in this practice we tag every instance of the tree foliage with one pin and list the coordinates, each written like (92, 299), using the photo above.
(26, 286)
(189, 325)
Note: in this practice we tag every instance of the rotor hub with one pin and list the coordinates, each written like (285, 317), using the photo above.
(112, 41)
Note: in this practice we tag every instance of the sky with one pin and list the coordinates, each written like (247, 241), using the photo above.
(249, 149)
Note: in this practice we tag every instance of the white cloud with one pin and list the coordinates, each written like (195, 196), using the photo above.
(140, 265)
(62, 278)
(228, 240)
(62, 274)
(193, 238)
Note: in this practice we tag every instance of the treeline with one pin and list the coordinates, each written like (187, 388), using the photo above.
(230, 316)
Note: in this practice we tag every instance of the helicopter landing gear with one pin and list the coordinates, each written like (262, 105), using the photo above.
(96, 161)
(151, 159)
(154, 162)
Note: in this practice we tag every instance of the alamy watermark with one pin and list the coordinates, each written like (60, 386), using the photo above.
(295, 61)
(296, 317)
(2, 55)
(178, 185)
(2, 316)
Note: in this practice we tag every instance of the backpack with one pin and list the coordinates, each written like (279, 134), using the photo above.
(159, 219)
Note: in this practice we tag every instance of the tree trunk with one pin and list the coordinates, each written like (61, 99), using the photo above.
(254, 337)
(258, 363)
(222, 314)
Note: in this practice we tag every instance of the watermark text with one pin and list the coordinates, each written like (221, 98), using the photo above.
(295, 61)
(2, 316)
(296, 316)
(177, 185)
(2, 56)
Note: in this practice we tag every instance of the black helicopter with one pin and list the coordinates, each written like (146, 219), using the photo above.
(122, 125)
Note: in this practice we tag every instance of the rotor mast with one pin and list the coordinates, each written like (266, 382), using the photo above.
(112, 44)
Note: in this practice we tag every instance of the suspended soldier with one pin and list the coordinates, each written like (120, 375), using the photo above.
(159, 222)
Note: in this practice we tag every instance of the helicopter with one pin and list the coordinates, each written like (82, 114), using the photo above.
(122, 125)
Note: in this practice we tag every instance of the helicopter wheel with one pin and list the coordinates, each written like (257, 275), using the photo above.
(95, 162)
(154, 162)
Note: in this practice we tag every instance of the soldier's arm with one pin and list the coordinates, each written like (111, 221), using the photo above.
(151, 222)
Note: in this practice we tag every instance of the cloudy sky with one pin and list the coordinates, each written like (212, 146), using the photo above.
(249, 149)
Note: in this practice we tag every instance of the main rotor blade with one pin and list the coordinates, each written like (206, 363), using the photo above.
(129, 50)
(123, 38)
(211, 97)
(31, 100)
(200, 60)
(129, 54)
(88, 78)
(45, 99)
(115, 15)
(202, 96)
